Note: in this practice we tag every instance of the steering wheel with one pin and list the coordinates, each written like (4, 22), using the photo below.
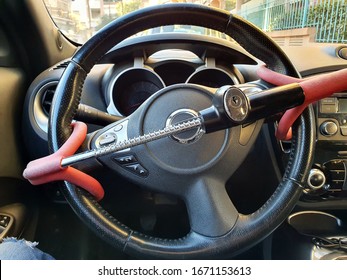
(192, 167)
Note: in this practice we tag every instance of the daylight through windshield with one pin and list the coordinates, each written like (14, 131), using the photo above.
(288, 22)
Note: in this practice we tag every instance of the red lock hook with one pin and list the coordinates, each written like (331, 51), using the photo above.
(49, 169)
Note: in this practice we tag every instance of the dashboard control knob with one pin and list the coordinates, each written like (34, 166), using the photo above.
(316, 179)
(328, 128)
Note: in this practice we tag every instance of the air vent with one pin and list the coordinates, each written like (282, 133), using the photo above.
(46, 99)
(296, 41)
(42, 103)
(281, 41)
(61, 65)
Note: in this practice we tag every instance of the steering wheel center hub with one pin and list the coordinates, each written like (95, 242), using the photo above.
(189, 136)
(184, 151)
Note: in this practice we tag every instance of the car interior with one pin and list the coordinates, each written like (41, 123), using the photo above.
(180, 157)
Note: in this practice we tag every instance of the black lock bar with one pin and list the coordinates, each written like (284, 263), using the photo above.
(241, 104)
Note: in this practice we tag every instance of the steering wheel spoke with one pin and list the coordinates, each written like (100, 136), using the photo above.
(211, 212)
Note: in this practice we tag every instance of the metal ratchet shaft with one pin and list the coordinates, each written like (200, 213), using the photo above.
(148, 137)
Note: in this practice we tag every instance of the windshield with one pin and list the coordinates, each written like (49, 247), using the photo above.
(288, 22)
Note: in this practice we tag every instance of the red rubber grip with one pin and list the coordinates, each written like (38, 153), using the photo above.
(48, 169)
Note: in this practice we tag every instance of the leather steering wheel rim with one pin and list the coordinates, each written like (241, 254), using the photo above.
(249, 229)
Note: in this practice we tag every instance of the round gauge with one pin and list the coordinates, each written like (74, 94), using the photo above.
(211, 77)
(134, 86)
(134, 95)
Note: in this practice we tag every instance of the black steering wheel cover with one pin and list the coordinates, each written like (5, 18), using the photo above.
(249, 229)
